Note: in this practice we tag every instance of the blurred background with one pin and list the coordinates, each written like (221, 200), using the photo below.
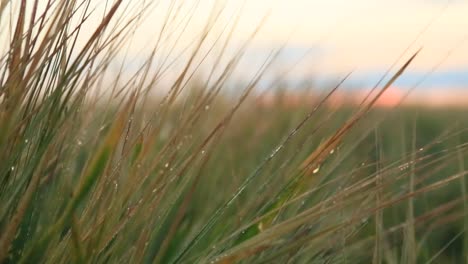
(324, 40)
(321, 41)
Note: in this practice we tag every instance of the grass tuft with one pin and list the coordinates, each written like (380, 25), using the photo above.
(155, 159)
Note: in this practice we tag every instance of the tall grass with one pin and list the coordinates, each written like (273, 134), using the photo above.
(99, 165)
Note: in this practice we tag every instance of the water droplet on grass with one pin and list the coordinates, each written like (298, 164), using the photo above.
(405, 166)
(316, 170)
(260, 226)
(275, 152)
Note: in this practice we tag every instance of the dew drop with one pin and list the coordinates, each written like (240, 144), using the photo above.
(26, 141)
(12, 168)
(332, 151)
(260, 226)
(207, 107)
(404, 166)
(166, 165)
(316, 170)
(275, 152)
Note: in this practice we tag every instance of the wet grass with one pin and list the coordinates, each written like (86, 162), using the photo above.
(97, 169)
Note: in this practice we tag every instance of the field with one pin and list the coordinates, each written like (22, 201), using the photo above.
(204, 174)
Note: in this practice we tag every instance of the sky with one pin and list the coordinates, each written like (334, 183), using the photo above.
(370, 34)
(337, 36)
(326, 38)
